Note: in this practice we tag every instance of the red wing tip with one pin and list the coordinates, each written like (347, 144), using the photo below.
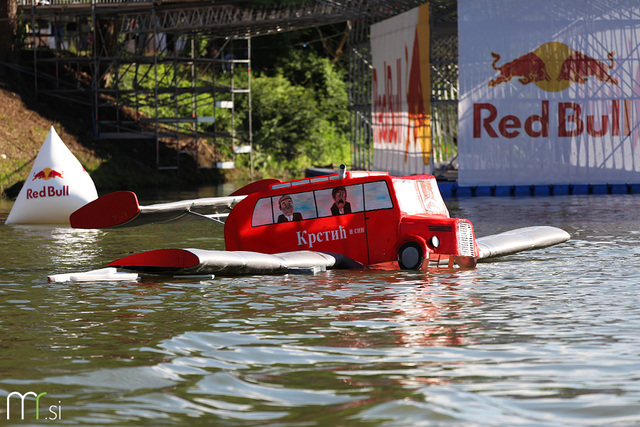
(158, 259)
(110, 210)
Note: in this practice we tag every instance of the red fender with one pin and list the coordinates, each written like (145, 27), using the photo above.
(414, 238)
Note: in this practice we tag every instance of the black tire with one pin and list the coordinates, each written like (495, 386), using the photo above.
(410, 256)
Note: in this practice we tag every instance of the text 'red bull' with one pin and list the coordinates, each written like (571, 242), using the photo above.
(571, 121)
(48, 191)
(387, 106)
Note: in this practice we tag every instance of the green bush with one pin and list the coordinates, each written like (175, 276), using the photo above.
(299, 113)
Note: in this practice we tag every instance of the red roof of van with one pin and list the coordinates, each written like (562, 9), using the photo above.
(324, 178)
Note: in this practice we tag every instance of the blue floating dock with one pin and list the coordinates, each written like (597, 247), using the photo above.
(450, 189)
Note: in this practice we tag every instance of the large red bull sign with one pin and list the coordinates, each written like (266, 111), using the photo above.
(547, 97)
(401, 90)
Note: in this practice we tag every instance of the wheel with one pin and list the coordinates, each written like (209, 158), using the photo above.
(410, 256)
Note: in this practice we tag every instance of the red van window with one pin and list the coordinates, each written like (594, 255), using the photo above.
(408, 198)
(303, 204)
(262, 213)
(376, 196)
(339, 200)
(418, 197)
(284, 208)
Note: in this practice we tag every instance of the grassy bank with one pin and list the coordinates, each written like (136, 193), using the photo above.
(299, 119)
(25, 123)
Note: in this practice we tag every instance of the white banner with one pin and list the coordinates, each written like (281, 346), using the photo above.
(402, 94)
(549, 92)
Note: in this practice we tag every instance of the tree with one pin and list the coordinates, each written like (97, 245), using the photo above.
(8, 28)
(300, 116)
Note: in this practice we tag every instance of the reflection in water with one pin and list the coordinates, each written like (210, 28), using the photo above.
(344, 329)
(576, 214)
(73, 247)
(53, 249)
(434, 313)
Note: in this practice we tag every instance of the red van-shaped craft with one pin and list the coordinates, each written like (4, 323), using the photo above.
(370, 217)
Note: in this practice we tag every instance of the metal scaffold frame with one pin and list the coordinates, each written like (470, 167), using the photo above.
(191, 52)
(180, 89)
(444, 88)
(196, 80)
(360, 72)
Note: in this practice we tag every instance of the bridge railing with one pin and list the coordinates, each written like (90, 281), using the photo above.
(24, 3)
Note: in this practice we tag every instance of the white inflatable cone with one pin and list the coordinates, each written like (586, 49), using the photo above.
(55, 188)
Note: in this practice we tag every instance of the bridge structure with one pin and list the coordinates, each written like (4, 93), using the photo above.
(178, 72)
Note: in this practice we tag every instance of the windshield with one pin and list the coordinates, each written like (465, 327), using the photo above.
(419, 197)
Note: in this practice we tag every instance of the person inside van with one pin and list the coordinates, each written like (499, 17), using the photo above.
(340, 205)
(286, 206)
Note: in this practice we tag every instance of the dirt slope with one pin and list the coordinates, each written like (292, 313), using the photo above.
(128, 165)
(22, 132)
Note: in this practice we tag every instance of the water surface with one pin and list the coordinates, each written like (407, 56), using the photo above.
(542, 338)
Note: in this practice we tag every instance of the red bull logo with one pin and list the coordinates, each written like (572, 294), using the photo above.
(530, 68)
(47, 174)
(418, 90)
(553, 67)
(47, 191)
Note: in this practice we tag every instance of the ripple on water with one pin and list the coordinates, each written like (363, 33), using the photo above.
(540, 338)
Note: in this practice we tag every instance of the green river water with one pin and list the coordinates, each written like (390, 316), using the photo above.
(543, 338)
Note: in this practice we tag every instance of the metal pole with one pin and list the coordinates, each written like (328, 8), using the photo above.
(35, 46)
(155, 76)
(233, 100)
(194, 98)
(96, 69)
(249, 105)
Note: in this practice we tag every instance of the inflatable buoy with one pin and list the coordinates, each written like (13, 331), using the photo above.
(56, 186)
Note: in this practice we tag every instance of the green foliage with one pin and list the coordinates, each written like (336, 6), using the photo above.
(299, 113)
(300, 116)
(283, 116)
(328, 83)
(168, 79)
(269, 53)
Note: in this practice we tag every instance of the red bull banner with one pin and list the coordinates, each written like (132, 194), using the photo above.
(549, 92)
(402, 93)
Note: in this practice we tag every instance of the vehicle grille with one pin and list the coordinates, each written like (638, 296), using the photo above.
(445, 228)
(465, 238)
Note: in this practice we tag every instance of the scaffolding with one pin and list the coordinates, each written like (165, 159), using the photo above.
(178, 72)
(148, 81)
(444, 89)
(181, 90)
